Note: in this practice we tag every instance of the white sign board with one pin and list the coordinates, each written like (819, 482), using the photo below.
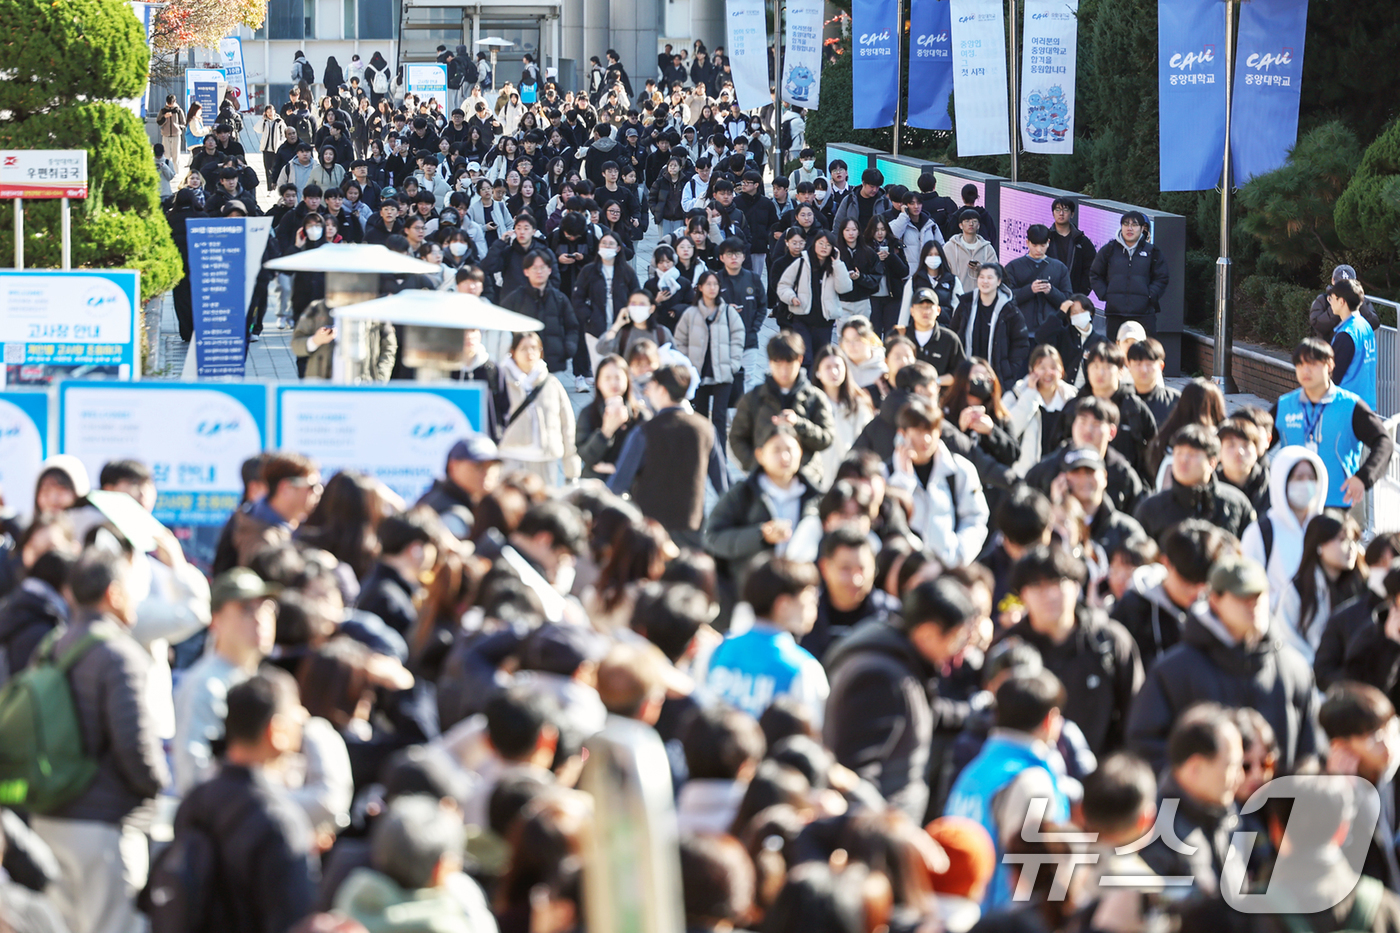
(43, 173)
(24, 431)
(70, 318)
(195, 439)
(399, 436)
(428, 81)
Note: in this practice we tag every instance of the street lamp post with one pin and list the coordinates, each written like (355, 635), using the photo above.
(1224, 272)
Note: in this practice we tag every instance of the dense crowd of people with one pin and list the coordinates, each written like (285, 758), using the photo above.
(909, 570)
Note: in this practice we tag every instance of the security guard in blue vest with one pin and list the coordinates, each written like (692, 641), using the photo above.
(1354, 343)
(1333, 423)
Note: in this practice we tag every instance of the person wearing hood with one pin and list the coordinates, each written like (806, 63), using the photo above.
(1195, 492)
(1297, 492)
(1034, 404)
(303, 73)
(879, 716)
(967, 252)
(1230, 654)
(1329, 574)
(333, 77)
(786, 395)
(1130, 275)
(601, 150)
(1070, 245)
(760, 514)
(1039, 283)
(539, 431)
(990, 325)
(1155, 608)
(33, 609)
(377, 76)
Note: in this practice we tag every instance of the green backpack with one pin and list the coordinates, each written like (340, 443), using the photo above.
(42, 762)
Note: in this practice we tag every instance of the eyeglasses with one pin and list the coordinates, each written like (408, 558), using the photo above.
(304, 482)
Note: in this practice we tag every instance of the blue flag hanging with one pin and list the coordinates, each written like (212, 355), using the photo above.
(930, 64)
(1268, 85)
(1191, 93)
(875, 68)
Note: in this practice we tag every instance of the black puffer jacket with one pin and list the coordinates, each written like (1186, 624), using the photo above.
(1218, 503)
(1009, 347)
(1099, 667)
(1136, 428)
(552, 307)
(1130, 281)
(28, 614)
(1269, 676)
(879, 721)
(594, 307)
(109, 695)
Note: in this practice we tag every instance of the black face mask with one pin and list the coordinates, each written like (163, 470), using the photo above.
(980, 389)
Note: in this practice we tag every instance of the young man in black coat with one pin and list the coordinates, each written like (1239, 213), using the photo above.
(1070, 245)
(405, 553)
(539, 299)
(1130, 275)
(1229, 654)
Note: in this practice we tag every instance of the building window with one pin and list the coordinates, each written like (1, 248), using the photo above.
(376, 20)
(286, 19)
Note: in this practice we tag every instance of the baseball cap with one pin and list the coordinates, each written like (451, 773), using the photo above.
(239, 584)
(390, 192)
(1132, 329)
(560, 648)
(1081, 458)
(474, 447)
(632, 131)
(473, 166)
(924, 296)
(1238, 576)
(971, 858)
(1343, 272)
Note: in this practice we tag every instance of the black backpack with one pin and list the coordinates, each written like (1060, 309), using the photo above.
(183, 892)
(469, 73)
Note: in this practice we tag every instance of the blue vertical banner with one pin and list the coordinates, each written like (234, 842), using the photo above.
(1191, 93)
(1268, 85)
(875, 29)
(218, 260)
(930, 63)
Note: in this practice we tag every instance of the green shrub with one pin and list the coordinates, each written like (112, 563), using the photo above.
(61, 50)
(1271, 311)
(71, 55)
(1368, 212)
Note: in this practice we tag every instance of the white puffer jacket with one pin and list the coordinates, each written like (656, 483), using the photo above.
(796, 281)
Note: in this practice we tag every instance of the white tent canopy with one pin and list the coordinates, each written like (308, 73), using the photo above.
(438, 309)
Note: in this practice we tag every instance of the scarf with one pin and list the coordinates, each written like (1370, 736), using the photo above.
(524, 383)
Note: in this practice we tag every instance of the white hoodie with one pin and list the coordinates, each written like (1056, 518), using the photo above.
(1287, 552)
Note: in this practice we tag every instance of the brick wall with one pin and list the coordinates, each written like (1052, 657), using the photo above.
(1267, 378)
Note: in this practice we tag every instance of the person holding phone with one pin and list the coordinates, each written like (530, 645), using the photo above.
(604, 423)
(1039, 283)
(711, 334)
(968, 251)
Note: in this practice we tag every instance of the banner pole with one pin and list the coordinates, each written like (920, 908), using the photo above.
(1224, 325)
(898, 69)
(1015, 108)
(67, 226)
(19, 233)
(777, 87)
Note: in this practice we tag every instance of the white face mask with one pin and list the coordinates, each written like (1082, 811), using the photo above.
(639, 313)
(1301, 492)
(1375, 580)
(820, 195)
(933, 261)
(458, 249)
(314, 233)
(808, 163)
(605, 252)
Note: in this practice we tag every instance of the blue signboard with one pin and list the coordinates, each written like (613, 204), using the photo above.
(398, 435)
(194, 437)
(24, 443)
(70, 319)
(219, 261)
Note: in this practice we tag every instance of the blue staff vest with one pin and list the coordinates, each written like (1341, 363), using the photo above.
(1360, 376)
(1326, 429)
